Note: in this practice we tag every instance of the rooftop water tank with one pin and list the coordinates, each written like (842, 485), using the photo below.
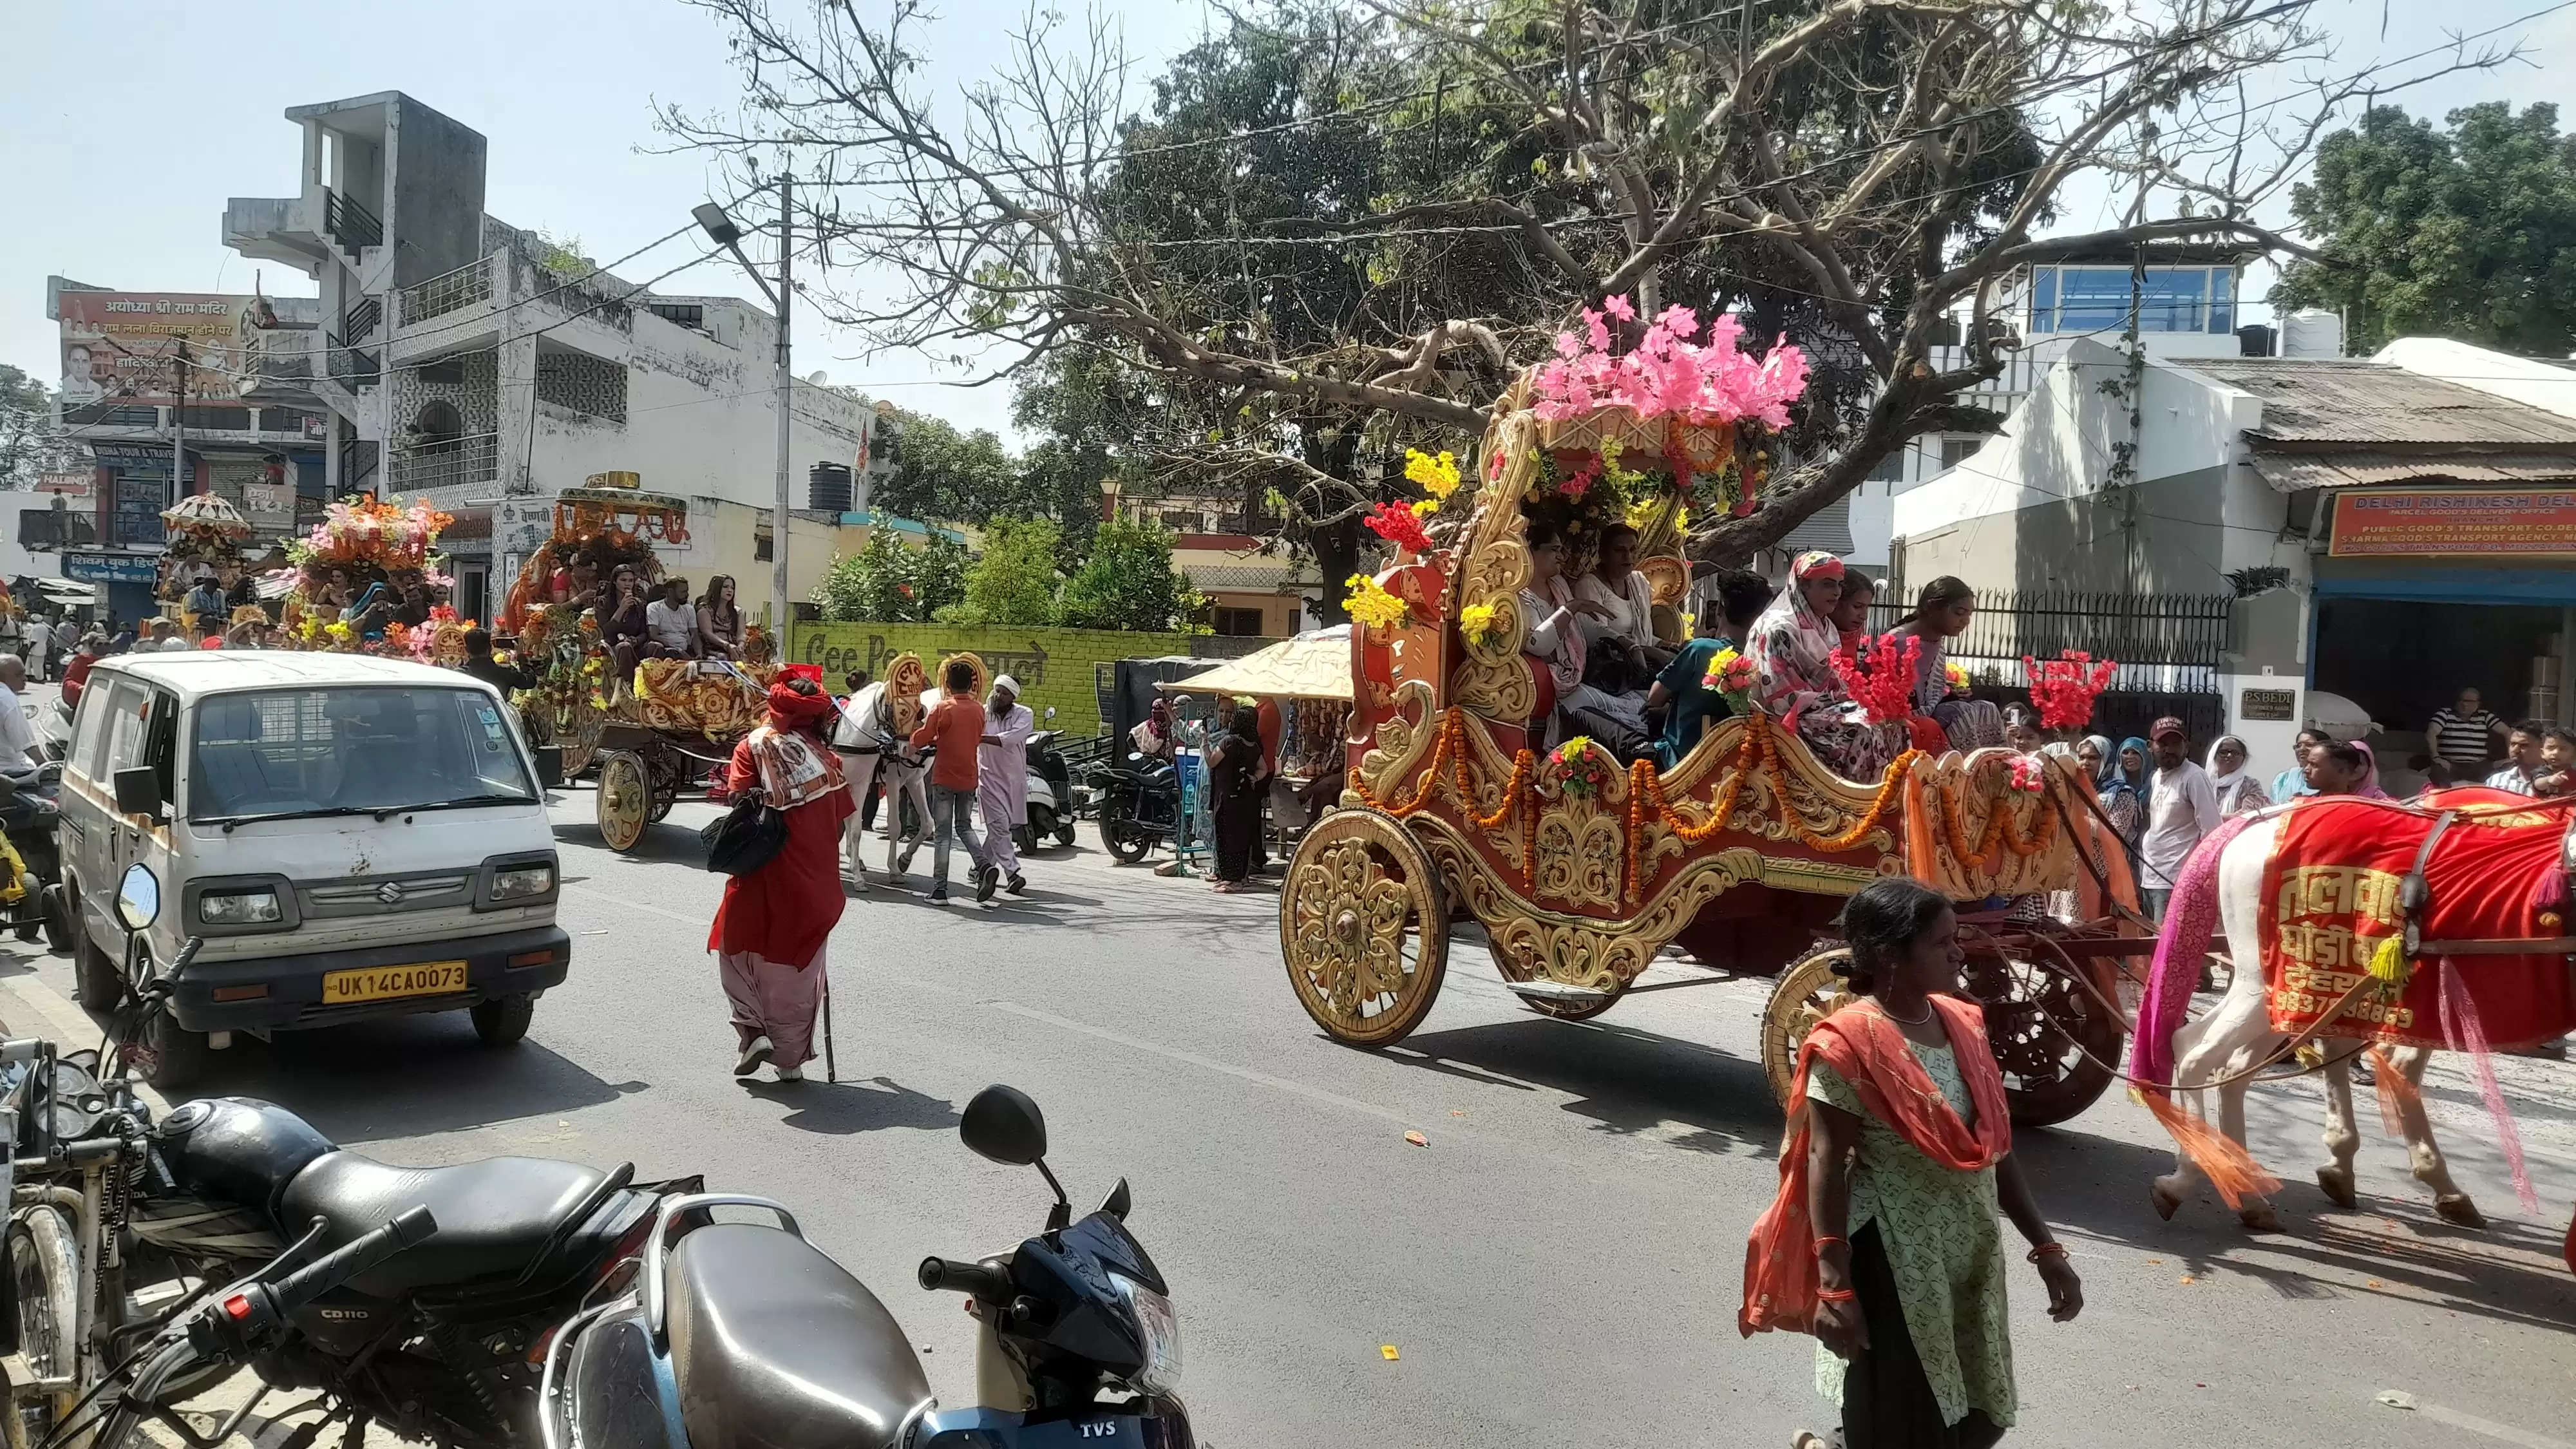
(2312, 332)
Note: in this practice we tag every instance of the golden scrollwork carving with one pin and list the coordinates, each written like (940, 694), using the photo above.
(1358, 890)
(1492, 679)
(1579, 852)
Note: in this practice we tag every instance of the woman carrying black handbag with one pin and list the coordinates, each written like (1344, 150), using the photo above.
(779, 910)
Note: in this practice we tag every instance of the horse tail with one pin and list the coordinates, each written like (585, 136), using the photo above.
(2191, 920)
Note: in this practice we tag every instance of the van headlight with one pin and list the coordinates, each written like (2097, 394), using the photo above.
(238, 908)
(520, 882)
(1161, 1327)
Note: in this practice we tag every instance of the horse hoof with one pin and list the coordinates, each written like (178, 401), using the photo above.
(2459, 1211)
(2164, 1198)
(2260, 1218)
(2337, 1184)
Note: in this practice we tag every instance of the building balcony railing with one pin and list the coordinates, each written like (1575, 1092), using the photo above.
(446, 463)
(441, 295)
(353, 368)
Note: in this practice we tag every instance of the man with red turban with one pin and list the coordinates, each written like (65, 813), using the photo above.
(770, 929)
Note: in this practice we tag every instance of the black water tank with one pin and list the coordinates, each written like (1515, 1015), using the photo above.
(827, 488)
(2255, 340)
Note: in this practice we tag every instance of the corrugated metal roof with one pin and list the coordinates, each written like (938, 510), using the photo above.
(2307, 401)
(2296, 472)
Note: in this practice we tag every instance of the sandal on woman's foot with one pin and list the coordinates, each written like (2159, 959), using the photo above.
(754, 1052)
(1809, 1439)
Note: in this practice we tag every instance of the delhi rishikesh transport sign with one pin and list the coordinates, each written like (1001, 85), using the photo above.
(2453, 522)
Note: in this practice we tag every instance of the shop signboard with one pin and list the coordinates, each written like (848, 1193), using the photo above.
(2453, 522)
(111, 568)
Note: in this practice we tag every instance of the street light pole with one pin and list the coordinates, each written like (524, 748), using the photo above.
(778, 528)
(721, 229)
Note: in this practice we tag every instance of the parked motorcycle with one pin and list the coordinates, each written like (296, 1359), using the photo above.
(31, 816)
(436, 1344)
(1050, 790)
(1140, 806)
(744, 1333)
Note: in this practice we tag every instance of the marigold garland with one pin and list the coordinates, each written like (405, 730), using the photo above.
(1757, 754)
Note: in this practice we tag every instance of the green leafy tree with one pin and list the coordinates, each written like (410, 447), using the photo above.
(942, 473)
(27, 436)
(889, 583)
(2466, 232)
(1014, 580)
(1128, 582)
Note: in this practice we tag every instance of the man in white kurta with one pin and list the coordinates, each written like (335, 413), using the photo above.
(1002, 777)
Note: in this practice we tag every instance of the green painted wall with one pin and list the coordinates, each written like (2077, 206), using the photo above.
(1055, 667)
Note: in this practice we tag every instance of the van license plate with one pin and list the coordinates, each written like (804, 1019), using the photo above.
(377, 983)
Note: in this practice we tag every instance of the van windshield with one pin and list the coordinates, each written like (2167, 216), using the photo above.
(282, 753)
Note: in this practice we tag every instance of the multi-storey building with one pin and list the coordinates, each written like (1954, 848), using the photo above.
(468, 361)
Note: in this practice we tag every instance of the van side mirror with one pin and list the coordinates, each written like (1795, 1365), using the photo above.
(138, 791)
(1050, 714)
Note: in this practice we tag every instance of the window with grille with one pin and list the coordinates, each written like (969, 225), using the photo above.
(1241, 623)
(1955, 451)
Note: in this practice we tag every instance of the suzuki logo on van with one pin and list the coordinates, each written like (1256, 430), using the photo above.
(391, 893)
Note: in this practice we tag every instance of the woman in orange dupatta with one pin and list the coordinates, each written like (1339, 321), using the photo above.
(1883, 1241)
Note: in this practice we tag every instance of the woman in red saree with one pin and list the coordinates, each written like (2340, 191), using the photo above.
(1883, 1241)
(770, 929)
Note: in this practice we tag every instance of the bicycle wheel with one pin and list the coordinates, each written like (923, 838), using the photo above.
(44, 1274)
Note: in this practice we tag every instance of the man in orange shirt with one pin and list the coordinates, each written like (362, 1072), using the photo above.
(955, 727)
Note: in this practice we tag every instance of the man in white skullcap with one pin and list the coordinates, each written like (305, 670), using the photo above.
(1002, 778)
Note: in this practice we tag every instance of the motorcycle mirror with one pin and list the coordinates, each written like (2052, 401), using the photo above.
(1050, 714)
(138, 898)
(1118, 1201)
(1002, 1124)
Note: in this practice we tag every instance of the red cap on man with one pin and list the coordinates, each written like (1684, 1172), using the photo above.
(2168, 726)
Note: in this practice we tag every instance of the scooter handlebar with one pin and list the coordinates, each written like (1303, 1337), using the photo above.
(983, 1282)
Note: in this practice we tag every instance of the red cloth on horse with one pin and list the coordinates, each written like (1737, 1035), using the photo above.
(1870, 1053)
(784, 910)
(2330, 898)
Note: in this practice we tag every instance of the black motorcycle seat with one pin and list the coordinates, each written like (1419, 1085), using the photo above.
(494, 1216)
(773, 1344)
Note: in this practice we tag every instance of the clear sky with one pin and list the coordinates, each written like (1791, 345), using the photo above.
(127, 125)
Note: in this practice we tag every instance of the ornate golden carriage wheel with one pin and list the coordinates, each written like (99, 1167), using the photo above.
(1560, 1008)
(625, 799)
(1364, 927)
(1808, 992)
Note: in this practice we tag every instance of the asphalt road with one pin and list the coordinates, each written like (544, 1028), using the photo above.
(1559, 1266)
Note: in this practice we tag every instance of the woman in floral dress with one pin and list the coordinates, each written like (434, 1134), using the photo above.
(1883, 1241)
(1792, 647)
(1941, 613)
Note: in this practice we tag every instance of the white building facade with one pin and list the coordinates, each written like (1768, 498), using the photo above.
(464, 360)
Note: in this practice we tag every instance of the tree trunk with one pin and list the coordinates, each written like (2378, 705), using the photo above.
(1336, 546)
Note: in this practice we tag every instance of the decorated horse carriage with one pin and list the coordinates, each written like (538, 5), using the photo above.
(652, 731)
(1582, 866)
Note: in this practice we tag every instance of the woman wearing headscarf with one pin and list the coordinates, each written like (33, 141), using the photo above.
(1883, 1240)
(1234, 767)
(1792, 647)
(2119, 782)
(1941, 613)
(2292, 783)
(770, 929)
(2368, 786)
(2239, 793)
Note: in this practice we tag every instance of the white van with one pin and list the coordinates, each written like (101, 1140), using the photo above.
(348, 837)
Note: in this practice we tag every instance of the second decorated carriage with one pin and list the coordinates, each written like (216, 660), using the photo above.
(652, 731)
(1582, 867)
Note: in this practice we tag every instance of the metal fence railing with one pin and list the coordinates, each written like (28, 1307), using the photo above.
(441, 295)
(447, 462)
(2163, 643)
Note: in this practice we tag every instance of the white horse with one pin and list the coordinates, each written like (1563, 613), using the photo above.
(2228, 1042)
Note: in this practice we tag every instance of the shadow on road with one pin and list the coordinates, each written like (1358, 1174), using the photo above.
(1626, 1081)
(660, 844)
(838, 1110)
(404, 1077)
(2390, 1248)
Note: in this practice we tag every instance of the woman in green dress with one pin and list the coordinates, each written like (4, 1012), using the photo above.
(1907, 1158)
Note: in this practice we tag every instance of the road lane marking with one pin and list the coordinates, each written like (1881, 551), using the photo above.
(2489, 1427)
(1247, 1074)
